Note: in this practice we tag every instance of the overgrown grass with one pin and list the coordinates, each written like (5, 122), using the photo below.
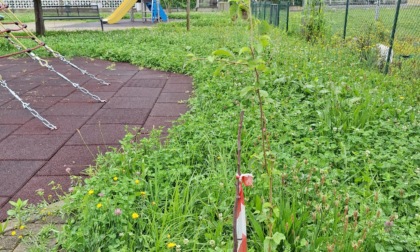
(344, 140)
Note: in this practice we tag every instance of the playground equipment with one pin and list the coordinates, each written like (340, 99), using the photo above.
(6, 31)
(158, 14)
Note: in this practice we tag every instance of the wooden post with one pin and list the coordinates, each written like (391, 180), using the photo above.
(39, 22)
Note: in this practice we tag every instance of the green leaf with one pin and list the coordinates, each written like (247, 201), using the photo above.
(263, 93)
(265, 41)
(278, 237)
(245, 50)
(246, 90)
(223, 52)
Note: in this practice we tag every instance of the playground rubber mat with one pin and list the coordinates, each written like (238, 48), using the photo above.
(31, 155)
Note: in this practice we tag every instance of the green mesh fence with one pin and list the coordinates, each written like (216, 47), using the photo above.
(275, 13)
(375, 19)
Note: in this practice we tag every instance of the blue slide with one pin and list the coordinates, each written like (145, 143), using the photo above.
(156, 8)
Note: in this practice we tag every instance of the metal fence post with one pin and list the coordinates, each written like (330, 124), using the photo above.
(345, 19)
(391, 41)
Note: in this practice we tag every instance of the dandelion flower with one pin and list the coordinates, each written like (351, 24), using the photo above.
(137, 181)
(21, 227)
(20, 237)
(143, 193)
(13, 233)
(99, 205)
(171, 245)
(115, 178)
(91, 192)
(135, 215)
(168, 236)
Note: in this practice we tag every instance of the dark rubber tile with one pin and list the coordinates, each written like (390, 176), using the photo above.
(93, 86)
(73, 109)
(36, 102)
(131, 102)
(173, 97)
(149, 83)
(14, 174)
(168, 109)
(5, 130)
(177, 88)
(54, 91)
(64, 124)
(103, 134)
(157, 123)
(31, 147)
(81, 98)
(139, 92)
(119, 72)
(15, 116)
(29, 191)
(151, 74)
(120, 116)
(77, 158)
(3, 201)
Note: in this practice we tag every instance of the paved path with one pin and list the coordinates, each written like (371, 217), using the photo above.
(31, 155)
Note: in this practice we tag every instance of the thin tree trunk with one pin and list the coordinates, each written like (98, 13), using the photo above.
(188, 14)
(39, 22)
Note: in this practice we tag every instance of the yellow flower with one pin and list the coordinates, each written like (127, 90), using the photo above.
(401, 97)
(13, 233)
(137, 181)
(143, 193)
(115, 178)
(171, 245)
(91, 192)
(168, 236)
(135, 215)
(21, 227)
(153, 203)
(99, 205)
(20, 237)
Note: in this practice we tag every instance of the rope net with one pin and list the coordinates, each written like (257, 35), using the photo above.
(30, 44)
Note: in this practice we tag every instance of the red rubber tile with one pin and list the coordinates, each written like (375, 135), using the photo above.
(5, 130)
(149, 83)
(119, 72)
(157, 123)
(73, 109)
(14, 174)
(55, 91)
(177, 88)
(93, 86)
(64, 124)
(3, 201)
(31, 147)
(75, 157)
(103, 134)
(4, 97)
(139, 92)
(120, 116)
(151, 74)
(130, 102)
(36, 102)
(15, 116)
(81, 98)
(168, 109)
(29, 191)
(173, 97)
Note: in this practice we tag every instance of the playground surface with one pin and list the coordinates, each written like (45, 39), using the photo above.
(32, 155)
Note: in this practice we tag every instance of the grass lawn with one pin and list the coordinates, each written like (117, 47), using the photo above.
(338, 148)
